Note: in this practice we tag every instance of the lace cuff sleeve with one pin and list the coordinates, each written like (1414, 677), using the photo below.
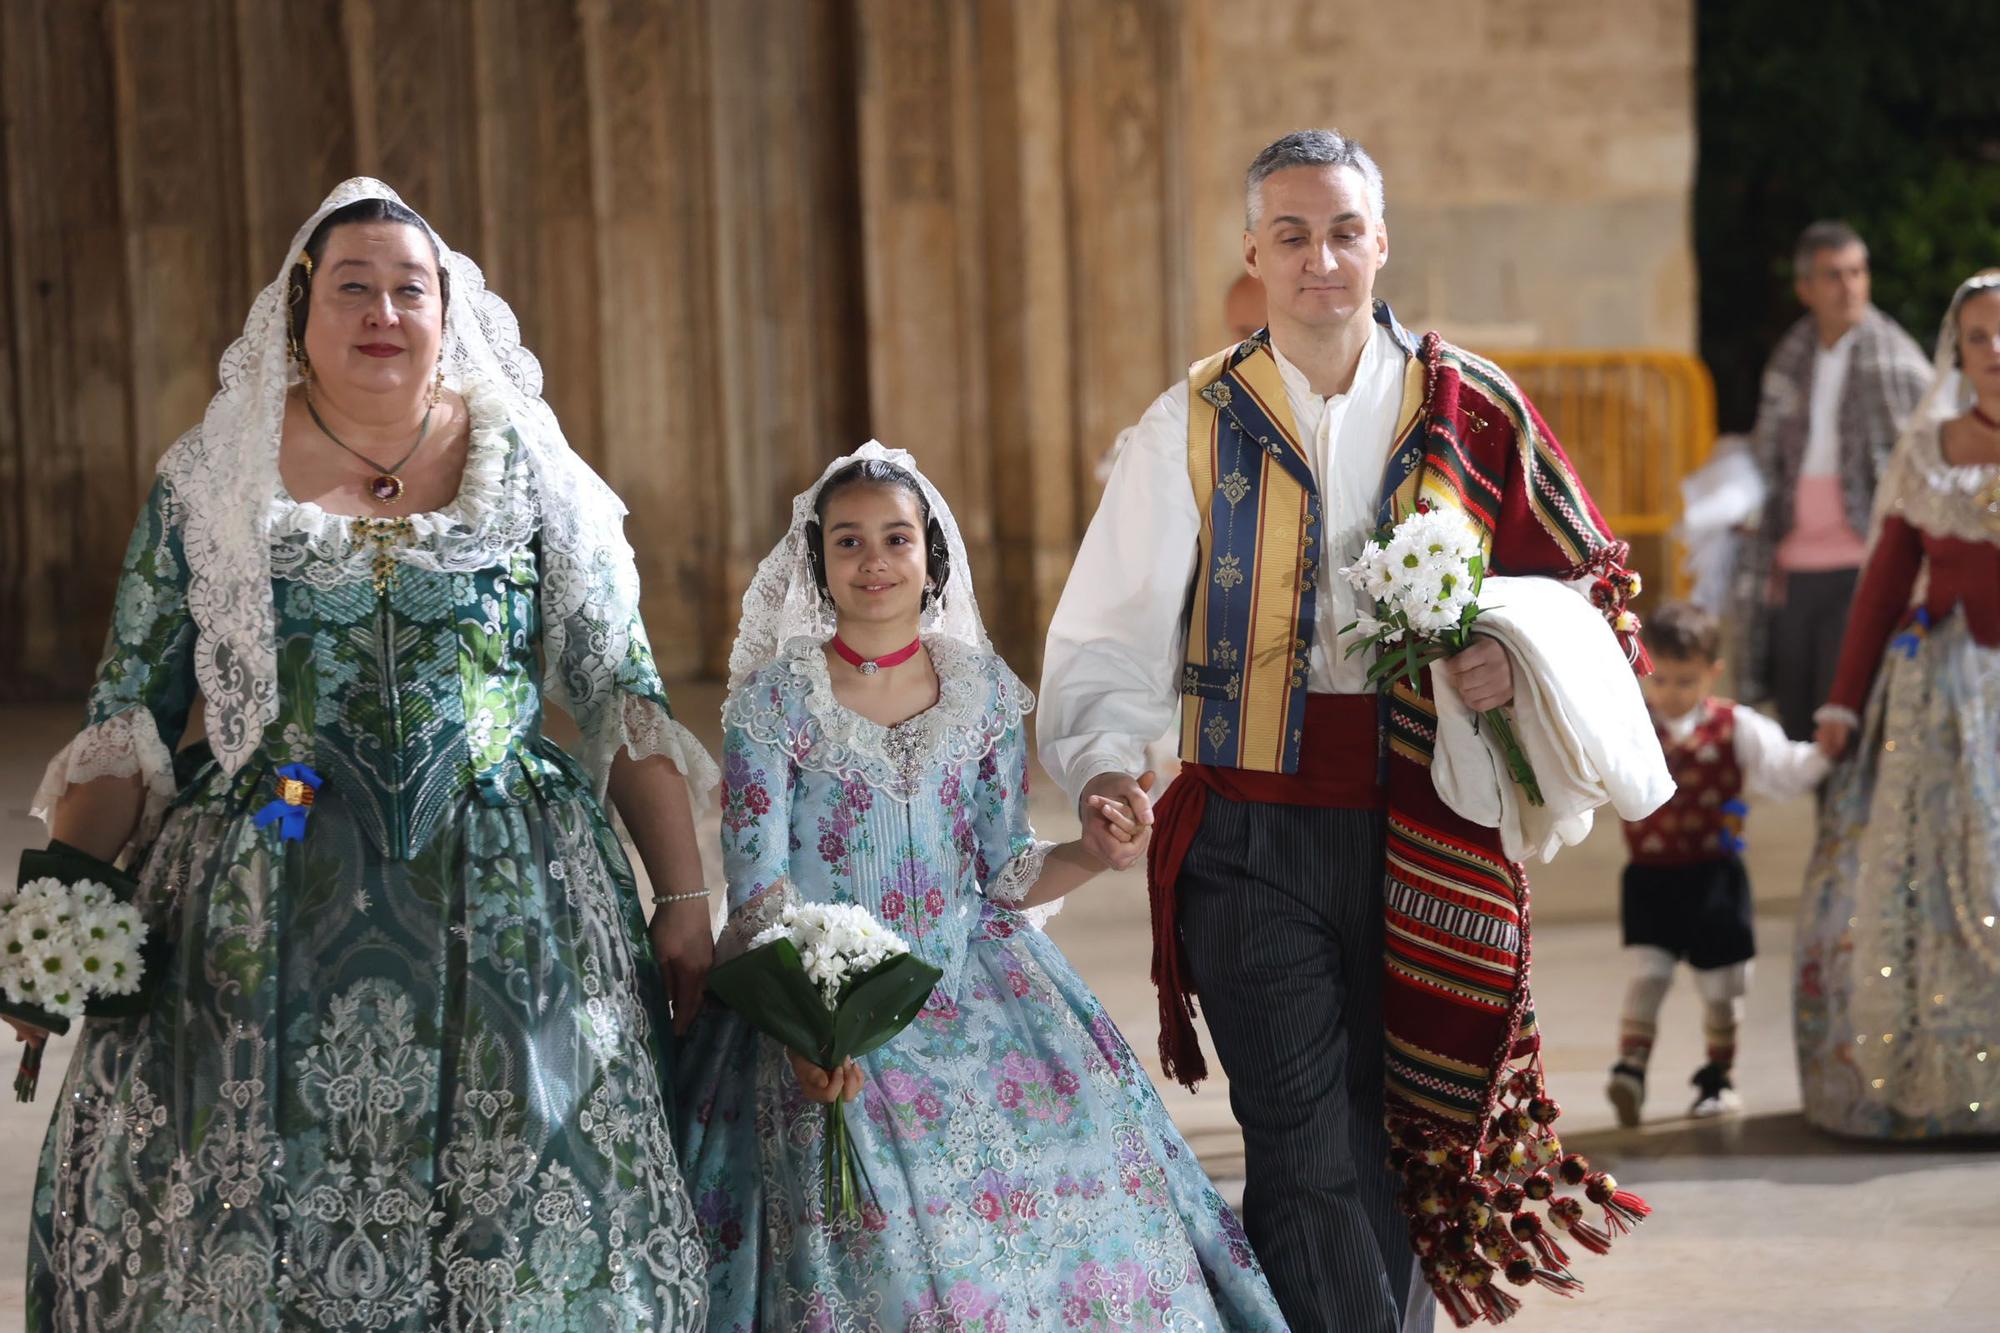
(750, 920)
(125, 744)
(1020, 875)
(646, 728)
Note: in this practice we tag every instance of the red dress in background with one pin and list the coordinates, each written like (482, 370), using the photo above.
(1897, 994)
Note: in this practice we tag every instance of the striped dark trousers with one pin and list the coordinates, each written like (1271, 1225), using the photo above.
(1281, 917)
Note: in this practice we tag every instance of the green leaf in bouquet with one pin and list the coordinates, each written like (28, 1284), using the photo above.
(769, 987)
(881, 1003)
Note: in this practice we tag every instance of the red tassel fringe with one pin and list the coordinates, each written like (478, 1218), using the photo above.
(1471, 1203)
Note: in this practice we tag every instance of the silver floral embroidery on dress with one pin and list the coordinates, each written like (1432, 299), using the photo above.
(378, 1091)
(1944, 499)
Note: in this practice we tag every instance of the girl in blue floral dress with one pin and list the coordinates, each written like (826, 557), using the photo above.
(404, 1068)
(1025, 1173)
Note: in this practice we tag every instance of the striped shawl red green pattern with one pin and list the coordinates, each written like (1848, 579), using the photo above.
(1472, 1127)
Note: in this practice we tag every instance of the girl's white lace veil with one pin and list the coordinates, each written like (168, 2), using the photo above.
(783, 602)
(224, 479)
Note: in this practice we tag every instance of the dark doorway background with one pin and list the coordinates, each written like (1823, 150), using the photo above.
(1884, 114)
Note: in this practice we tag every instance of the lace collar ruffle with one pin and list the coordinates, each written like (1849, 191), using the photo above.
(492, 515)
(791, 704)
(1945, 499)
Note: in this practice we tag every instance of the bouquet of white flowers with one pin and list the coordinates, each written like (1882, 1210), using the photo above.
(70, 944)
(831, 982)
(1424, 576)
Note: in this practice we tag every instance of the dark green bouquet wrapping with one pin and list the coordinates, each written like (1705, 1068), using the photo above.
(832, 984)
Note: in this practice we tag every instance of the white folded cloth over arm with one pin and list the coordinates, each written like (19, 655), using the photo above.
(1578, 714)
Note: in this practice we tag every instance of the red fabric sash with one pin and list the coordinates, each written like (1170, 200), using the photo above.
(1339, 769)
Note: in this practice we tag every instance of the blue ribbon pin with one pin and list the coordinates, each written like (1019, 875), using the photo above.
(298, 785)
(1732, 836)
(1912, 638)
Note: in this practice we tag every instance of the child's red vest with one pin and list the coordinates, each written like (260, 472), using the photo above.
(1703, 821)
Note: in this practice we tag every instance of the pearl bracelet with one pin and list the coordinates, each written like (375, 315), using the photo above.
(662, 899)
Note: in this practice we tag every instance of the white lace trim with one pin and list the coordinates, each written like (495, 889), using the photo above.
(123, 745)
(747, 922)
(223, 474)
(1038, 917)
(962, 727)
(1944, 499)
(1020, 875)
(646, 729)
(492, 516)
(783, 601)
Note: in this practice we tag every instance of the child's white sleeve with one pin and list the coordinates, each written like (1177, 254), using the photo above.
(1773, 764)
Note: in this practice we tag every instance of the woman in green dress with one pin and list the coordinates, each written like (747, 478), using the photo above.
(404, 1066)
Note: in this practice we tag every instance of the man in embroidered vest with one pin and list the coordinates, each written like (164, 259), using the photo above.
(1303, 843)
(1834, 397)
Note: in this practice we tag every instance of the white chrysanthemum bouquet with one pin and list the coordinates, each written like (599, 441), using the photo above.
(831, 982)
(1424, 576)
(69, 942)
(837, 943)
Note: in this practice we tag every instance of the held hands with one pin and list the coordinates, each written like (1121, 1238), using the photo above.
(684, 949)
(1831, 736)
(826, 1085)
(1482, 674)
(1117, 815)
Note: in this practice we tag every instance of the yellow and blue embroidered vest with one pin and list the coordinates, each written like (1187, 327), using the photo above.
(1250, 618)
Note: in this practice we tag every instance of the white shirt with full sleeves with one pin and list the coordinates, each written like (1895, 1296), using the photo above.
(1110, 674)
(1773, 765)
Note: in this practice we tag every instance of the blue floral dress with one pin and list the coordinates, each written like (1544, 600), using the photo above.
(1028, 1176)
(405, 1072)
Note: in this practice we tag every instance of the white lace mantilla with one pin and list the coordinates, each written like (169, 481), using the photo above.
(493, 516)
(783, 601)
(964, 725)
(1944, 499)
(224, 472)
(124, 745)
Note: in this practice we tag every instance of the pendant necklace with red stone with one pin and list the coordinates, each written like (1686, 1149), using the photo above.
(385, 487)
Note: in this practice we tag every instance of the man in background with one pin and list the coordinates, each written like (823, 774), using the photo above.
(1835, 394)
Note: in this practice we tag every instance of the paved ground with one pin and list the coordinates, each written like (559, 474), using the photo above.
(1761, 1223)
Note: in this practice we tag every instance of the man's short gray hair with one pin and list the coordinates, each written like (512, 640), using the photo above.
(1310, 148)
(1829, 235)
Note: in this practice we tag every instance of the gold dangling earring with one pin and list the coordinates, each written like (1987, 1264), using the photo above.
(296, 296)
(437, 385)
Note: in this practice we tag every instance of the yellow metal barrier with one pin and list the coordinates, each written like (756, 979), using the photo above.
(1633, 424)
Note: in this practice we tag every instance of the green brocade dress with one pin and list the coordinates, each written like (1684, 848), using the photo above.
(404, 1072)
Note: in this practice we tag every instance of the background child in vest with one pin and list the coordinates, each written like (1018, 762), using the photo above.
(1686, 894)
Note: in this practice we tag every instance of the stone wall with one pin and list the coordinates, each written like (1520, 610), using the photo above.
(745, 235)
(1539, 155)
